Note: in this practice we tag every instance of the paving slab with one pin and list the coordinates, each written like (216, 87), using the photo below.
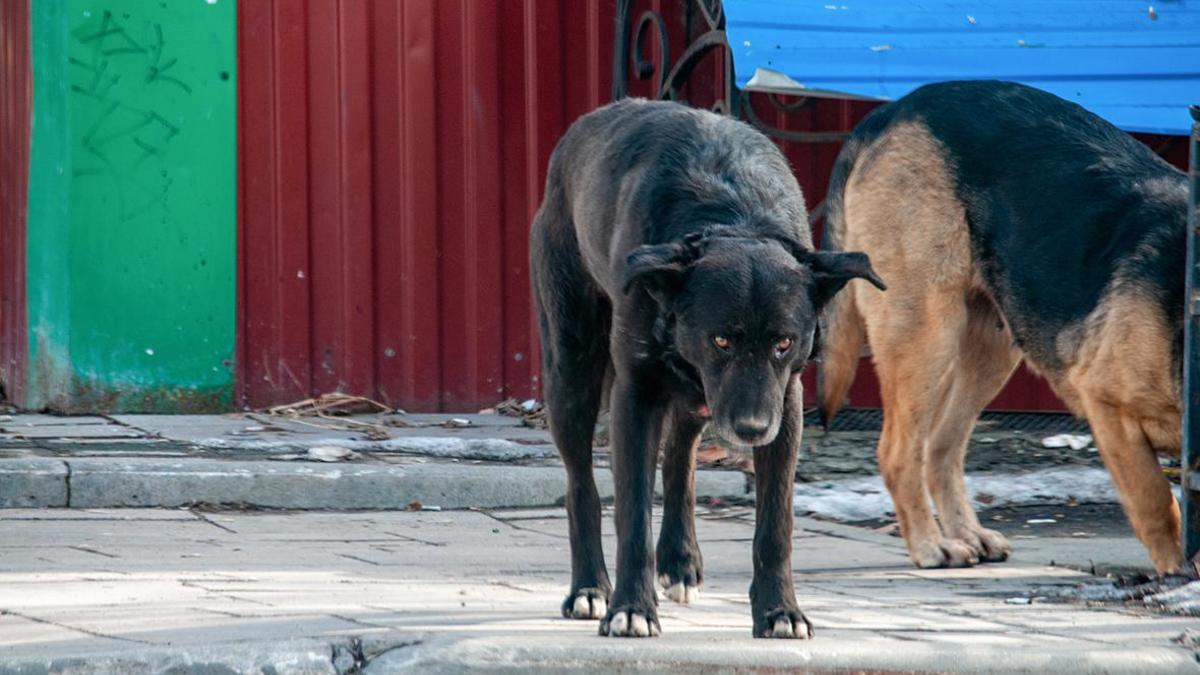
(68, 431)
(8, 422)
(97, 514)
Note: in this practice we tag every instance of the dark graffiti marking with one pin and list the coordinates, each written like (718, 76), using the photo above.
(157, 69)
(125, 138)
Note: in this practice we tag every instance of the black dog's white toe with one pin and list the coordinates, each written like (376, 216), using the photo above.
(679, 591)
(630, 623)
(587, 603)
(787, 625)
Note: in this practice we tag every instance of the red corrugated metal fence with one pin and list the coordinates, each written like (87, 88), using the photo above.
(392, 155)
(16, 91)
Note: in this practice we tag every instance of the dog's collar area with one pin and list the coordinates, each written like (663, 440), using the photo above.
(664, 335)
(683, 371)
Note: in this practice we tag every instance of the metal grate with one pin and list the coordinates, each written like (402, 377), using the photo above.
(871, 419)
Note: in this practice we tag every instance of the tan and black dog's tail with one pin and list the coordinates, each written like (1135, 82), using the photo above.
(843, 330)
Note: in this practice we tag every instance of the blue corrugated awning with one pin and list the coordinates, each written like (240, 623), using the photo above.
(1137, 64)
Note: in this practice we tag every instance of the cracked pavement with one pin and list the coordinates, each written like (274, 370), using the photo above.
(141, 590)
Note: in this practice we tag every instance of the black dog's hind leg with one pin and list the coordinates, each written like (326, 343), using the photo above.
(680, 569)
(573, 319)
(637, 419)
(772, 595)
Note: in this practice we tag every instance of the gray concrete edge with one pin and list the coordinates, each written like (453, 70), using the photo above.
(303, 656)
(384, 654)
(93, 482)
(513, 655)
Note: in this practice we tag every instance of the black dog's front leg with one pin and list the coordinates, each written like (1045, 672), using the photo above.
(636, 423)
(678, 559)
(772, 595)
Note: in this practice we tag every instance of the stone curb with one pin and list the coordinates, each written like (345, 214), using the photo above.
(92, 482)
(383, 655)
(512, 656)
(303, 657)
(33, 483)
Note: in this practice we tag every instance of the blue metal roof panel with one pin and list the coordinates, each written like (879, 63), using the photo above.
(1136, 64)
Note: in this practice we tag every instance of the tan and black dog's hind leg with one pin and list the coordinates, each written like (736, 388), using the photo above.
(1133, 414)
(677, 557)
(1144, 490)
(573, 319)
(915, 353)
(901, 210)
(985, 359)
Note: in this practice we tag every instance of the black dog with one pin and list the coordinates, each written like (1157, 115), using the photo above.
(672, 254)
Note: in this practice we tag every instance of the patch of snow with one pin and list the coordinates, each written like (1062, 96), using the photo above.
(1073, 441)
(1182, 600)
(331, 453)
(867, 498)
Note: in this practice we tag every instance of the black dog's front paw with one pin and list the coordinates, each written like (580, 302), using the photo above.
(586, 603)
(631, 620)
(782, 622)
(680, 575)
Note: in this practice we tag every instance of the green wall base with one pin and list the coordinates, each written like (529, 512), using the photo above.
(131, 246)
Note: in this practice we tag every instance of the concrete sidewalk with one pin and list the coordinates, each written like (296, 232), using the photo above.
(155, 591)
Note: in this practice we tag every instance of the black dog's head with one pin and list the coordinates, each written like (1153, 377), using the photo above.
(743, 314)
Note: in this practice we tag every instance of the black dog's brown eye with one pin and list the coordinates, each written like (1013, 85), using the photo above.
(783, 346)
(721, 342)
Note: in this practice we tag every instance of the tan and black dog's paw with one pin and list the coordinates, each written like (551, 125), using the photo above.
(783, 623)
(993, 546)
(943, 553)
(586, 603)
(631, 621)
(987, 545)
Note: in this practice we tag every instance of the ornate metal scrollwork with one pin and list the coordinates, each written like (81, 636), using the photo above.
(704, 30)
(629, 53)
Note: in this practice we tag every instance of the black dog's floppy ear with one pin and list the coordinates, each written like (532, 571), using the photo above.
(659, 267)
(833, 269)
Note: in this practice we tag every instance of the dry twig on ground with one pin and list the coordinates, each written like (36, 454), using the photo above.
(331, 411)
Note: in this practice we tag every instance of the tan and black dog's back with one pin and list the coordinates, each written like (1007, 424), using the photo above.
(1009, 223)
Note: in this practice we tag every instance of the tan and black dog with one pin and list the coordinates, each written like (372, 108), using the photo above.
(1009, 224)
(672, 253)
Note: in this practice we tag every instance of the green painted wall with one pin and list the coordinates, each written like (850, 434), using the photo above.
(131, 256)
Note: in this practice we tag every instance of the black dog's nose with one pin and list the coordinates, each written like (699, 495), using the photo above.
(751, 428)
